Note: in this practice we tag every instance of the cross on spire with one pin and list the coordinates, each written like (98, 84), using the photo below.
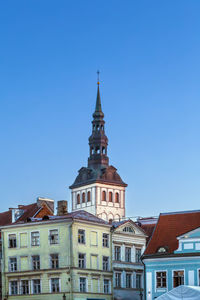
(98, 72)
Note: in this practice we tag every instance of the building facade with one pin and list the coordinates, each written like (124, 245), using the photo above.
(62, 257)
(129, 243)
(98, 188)
(172, 257)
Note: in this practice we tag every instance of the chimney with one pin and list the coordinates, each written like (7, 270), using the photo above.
(62, 208)
(47, 201)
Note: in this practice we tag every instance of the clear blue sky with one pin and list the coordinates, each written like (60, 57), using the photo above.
(149, 56)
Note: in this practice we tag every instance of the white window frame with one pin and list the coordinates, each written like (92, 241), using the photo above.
(159, 288)
(86, 284)
(9, 265)
(50, 261)
(29, 287)
(52, 244)
(31, 238)
(50, 284)
(177, 270)
(32, 286)
(10, 287)
(109, 285)
(16, 236)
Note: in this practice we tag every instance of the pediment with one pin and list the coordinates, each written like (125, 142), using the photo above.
(129, 228)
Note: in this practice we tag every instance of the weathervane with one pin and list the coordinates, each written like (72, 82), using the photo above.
(98, 72)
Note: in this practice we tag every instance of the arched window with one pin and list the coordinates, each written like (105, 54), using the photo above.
(88, 196)
(97, 150)
(78, 199)
(103, 150)
(116, 197)
(104, 196)
(97, 127)
(117, 218)
(102, 127)
(83, 198)
(92, 150)
(110, 196)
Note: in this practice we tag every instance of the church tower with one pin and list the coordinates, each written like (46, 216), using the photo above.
(98, 188)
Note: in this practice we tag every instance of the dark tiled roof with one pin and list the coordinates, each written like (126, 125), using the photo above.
(5, 218)
(169, 227)
(148, 229)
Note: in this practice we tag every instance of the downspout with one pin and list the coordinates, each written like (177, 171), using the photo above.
(6, 293)
(144, 279)
(111, 249)
(71, 261)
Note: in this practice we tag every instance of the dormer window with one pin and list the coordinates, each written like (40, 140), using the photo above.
(128, 229)
(162, 249)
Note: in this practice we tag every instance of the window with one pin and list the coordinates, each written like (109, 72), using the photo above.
(54, 261)
(110, 196)
(104, 196)
(55, 286)
(128, 281)
(12, 241)
(105, 263)
(117, 253)
(137, 255)
(138, 281)
(81, 236)
(118, 280)
(161, 281)
(178, 278)
(35, 238)
(81, 260)
(106, 286)
(128, 229)
(53, 236)
(36, 262)
(88, 197)
(83, 198)
(116, 197)
(24, 287)
(13, 264)
(78, 199)
(36, 286)
(106, 240)
(82, 284)
(128, 254)
(162, 250)
(13, 287)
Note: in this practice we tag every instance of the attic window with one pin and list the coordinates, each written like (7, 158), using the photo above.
(162, 250)
(128, 229)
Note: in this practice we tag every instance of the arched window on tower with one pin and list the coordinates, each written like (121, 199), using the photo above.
(104, 196)
(110, 196)
(88, 196)
(97, 150)
(92, 150)
(103, 150)
(83, 197)
(97, 127)
(78, 199)
(93, 127)
(116, 197)
(102, 127)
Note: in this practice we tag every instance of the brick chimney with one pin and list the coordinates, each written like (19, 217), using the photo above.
(62, 208)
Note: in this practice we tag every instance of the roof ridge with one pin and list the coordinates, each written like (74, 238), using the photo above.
(180, 212)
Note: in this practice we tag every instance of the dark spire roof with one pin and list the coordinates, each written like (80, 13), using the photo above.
(98, 110)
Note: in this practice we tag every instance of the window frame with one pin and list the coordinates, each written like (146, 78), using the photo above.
(106, 288)
(13, 264)
(161, 279)
(130, 281)
(35, 263)
(117, 254)
(9, 240)
(81, 238)
(82, 261)
(52, 261)
(50, 240)
(107, 263)
(137, 257)
(32, 290)
(23, 280)
(105, 240)
(59, 285)
(35, 245)
(128, 255)
(180, 270)
(118, 280)
(10, 288)
(85, 285)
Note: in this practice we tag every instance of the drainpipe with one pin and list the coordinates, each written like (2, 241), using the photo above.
(71, 261)
(144, 279)
(6, 293)
(111, 264)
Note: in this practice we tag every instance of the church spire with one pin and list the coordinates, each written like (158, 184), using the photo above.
(98, 141)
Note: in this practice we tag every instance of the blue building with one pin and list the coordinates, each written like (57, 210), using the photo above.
(172, 256)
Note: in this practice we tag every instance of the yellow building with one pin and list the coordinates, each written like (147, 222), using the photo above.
(67, 257)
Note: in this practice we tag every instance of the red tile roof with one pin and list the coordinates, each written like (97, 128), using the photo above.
(169, 227)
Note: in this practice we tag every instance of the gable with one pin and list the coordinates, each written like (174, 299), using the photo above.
(129, 228)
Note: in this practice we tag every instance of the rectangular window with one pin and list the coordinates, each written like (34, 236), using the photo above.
(54, 261)
(12, 241)
(81, 236)
(161, 279)
(138, 281)
(82, 284)
(128, 281)
(55, 286)
(36, 262)
(13, 264)
(178, 278)
(118, 280)
(53, 236)
(24, 287)
(138, 252)
(35, 238)
(105, 240)
(23, 240)
(105, 263)
(128, 254)
(13, 287)
(36, 286)
(81, 261)
(117, 253)
(106, 286)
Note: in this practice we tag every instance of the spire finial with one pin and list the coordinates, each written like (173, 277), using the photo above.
(98, 72)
